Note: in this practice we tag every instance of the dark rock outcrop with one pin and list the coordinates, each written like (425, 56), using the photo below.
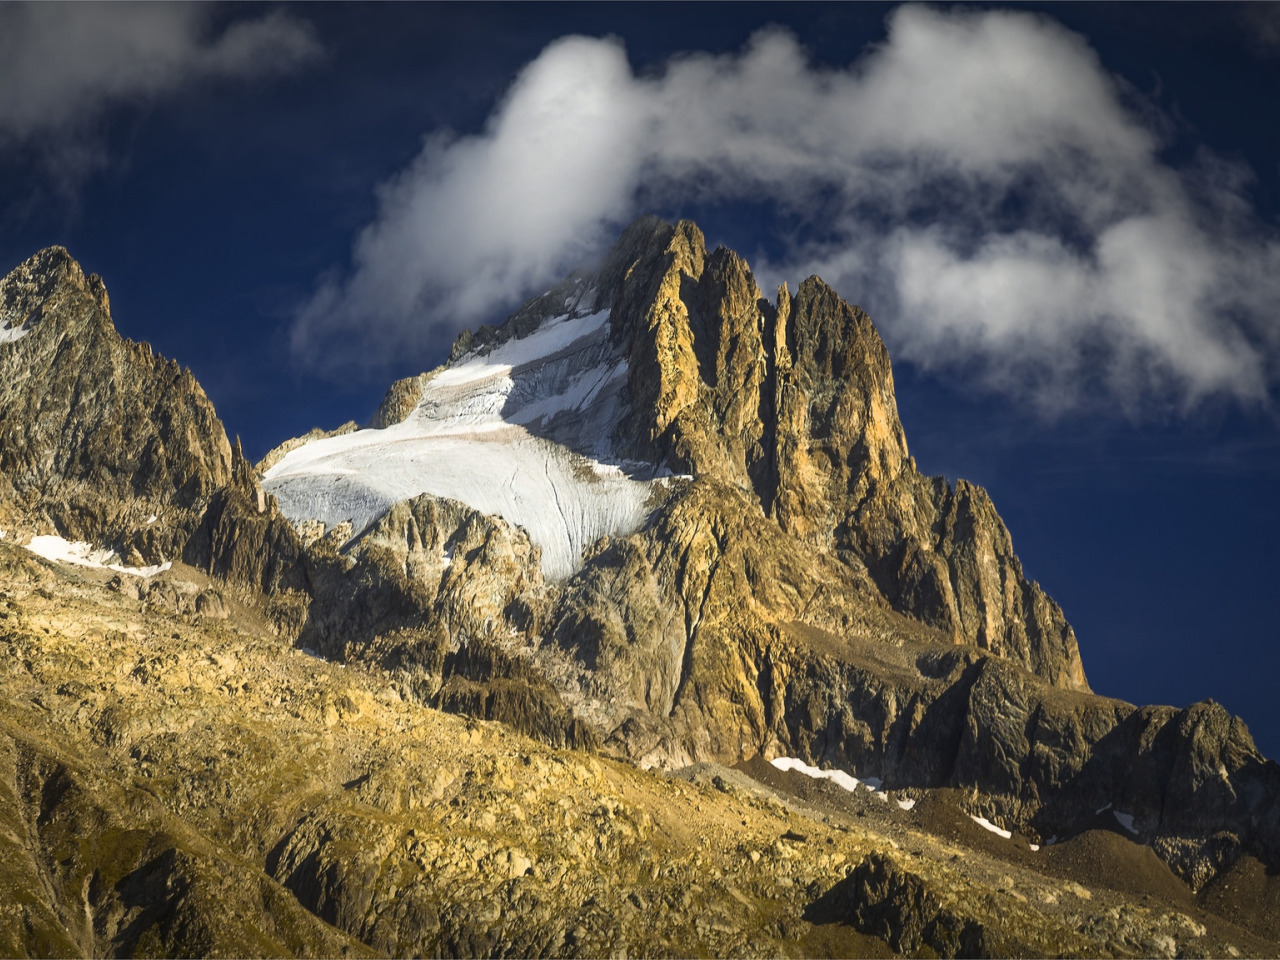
(883, 900)
(244, 539)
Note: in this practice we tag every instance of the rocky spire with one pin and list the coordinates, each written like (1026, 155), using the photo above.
(794, 401)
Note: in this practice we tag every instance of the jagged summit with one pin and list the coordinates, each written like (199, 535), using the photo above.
(34, 285)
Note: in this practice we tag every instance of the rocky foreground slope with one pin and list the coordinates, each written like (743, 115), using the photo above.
(712, 549)
(184, 784)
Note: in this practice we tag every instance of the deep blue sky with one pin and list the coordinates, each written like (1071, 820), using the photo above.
(214, 205)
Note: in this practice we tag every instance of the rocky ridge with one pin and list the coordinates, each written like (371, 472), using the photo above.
(808, 592)
(793, 401)
(100, 440)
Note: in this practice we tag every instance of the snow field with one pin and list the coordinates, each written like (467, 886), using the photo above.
(479, 435)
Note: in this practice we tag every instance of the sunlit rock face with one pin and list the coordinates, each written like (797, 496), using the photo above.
(665, 360)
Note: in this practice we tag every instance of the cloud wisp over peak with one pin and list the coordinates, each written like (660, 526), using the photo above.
(978, 180)
(63, 65)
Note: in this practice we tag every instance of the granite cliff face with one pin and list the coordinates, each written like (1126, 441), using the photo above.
(793, 401)
(761, 571)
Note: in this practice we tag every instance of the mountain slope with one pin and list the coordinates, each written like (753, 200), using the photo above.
(191, 786)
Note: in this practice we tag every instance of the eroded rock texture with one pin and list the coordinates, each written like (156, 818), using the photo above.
(794, 403)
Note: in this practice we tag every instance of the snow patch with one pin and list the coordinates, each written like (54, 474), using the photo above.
(83, 554)
(1125, 820)
(10, 334)
(838, 777)
(986, 824)
(1035, 847)
(552, 336)
(874, 785)
(152, 519)
(485, 432)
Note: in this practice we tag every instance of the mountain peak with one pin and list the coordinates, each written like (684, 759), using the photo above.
(654, 513)
(50, 275)
(101, 441)
(667, 359)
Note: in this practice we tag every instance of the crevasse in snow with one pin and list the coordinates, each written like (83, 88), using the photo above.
(522, 432)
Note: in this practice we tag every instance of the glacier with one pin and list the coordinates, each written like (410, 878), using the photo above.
(522, 432)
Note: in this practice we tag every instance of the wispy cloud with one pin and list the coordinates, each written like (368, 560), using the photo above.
(62, 65)
(1260, 23)
(978, 179)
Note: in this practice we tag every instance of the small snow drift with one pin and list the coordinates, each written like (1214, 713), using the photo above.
(838, 777)
(986, 824)
(489, 431)
(1125, 820)
(841, 779)
(84, 554)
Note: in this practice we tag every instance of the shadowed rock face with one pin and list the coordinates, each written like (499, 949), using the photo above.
(98, 436)
(895, 905)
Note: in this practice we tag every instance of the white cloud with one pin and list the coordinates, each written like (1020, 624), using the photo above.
(63, 64)
(978, 179)
(477, 222)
